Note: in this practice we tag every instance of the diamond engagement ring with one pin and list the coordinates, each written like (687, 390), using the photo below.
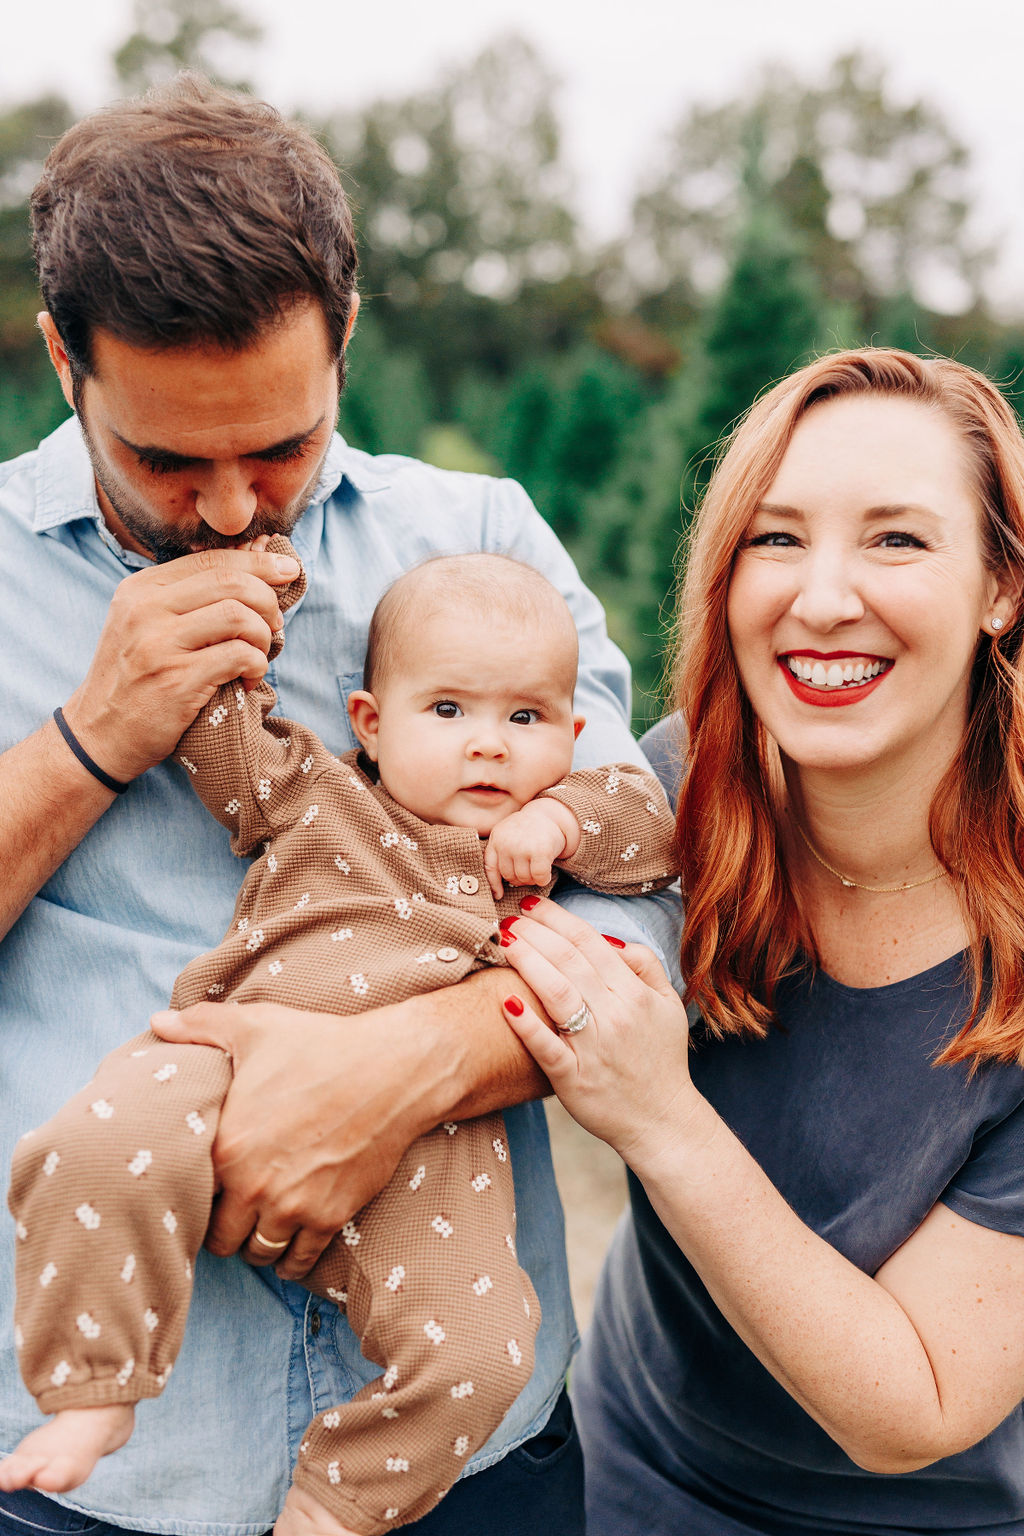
(265, 1242)
(576, 1021)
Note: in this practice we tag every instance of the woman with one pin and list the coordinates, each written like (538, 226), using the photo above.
(814, 1318)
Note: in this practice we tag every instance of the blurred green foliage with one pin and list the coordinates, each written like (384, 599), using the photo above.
(495, 337)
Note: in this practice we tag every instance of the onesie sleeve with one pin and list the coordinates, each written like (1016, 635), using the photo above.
(989, 1188)
(627, 843)
(251, 768)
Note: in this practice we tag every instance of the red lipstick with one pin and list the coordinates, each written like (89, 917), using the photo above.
(831, 698)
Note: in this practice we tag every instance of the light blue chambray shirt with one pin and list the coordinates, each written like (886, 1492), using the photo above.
(154, 884)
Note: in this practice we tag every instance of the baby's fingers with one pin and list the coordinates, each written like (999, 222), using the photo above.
(493, 873)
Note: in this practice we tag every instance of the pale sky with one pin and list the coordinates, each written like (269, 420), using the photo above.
(628, 72)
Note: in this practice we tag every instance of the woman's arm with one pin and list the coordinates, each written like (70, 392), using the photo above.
(901, 1369)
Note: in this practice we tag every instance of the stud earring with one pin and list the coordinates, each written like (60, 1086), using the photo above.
(997, 623)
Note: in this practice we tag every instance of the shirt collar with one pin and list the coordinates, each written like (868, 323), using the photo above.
(66, 487)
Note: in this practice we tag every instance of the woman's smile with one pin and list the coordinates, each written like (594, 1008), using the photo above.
(839, 677)
(860, 589)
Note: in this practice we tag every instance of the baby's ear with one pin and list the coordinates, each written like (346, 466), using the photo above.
(362, 711)
(578, 722)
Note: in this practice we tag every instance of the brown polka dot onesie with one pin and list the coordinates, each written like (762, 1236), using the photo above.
(351, 902)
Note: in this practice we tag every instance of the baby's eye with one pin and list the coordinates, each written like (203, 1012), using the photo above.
(447, 709)
(524, 717)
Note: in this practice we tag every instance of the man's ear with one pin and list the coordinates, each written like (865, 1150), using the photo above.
(578, 722)
(350, 327)
(58, 356)
(362, 711)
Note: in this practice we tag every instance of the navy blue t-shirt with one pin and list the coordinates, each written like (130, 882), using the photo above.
(843, 1108)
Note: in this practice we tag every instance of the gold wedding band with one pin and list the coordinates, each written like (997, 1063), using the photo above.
(265, 1242)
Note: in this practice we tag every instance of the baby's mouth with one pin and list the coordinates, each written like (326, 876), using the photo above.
(843, 672)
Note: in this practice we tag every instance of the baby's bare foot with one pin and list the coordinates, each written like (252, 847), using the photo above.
(63, 1452)
(303, 1516)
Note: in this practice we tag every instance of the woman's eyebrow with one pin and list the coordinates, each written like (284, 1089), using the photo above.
(877, 514)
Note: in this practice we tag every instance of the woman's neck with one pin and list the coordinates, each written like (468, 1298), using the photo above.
(878, 902)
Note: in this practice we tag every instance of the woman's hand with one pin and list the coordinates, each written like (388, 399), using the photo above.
(625, 1075)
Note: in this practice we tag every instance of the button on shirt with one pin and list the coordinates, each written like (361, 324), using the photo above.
(153, 884)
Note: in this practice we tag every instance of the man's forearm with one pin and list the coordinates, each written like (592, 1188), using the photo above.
(48, 802)
(478, 1064)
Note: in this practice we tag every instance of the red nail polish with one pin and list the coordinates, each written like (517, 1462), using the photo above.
(529, 902)
(610, 938)
(507, 939)
(513, 1006)
(507, 922)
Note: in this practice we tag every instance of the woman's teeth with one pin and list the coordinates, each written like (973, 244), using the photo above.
(835, 675)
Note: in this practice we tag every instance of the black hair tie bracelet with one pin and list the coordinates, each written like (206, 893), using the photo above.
(83, 756)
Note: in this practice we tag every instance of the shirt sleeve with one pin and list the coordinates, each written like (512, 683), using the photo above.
(989, 1188)
(627, 842)
(603, 686)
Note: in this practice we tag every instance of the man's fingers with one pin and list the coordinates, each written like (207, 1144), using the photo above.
(229, 619)
(265, 1247)
(278, 569)
(231, 1222)
(305, 1250)
(202, 1024)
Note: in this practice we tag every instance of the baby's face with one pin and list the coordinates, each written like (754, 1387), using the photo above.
(475, 720)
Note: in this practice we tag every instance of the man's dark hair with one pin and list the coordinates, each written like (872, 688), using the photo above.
(191, 215)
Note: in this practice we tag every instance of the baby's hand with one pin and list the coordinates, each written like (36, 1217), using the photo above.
(524, 846)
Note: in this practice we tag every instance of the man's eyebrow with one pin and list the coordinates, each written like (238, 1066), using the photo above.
(168, 456)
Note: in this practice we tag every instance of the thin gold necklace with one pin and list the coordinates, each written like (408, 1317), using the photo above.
(875, 890)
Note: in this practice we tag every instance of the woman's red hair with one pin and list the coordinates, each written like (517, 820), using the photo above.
(744, 929)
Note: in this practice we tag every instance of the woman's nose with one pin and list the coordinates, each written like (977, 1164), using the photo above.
(828, 593)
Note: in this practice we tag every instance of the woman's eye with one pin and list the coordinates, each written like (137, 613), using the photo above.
(447, 709)
(776, 538)
(895, 539)
(524, 717)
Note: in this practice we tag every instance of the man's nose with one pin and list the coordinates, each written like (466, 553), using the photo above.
(226, 499)
(828, 593)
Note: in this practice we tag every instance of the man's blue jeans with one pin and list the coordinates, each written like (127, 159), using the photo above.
(538, 1487)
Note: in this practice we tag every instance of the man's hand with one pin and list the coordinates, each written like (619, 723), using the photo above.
(323, 1106)
(523, 847)
(173, 634)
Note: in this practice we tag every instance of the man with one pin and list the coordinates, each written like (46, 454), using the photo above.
(197, 264)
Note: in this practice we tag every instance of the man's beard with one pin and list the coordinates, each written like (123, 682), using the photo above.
(163, 542)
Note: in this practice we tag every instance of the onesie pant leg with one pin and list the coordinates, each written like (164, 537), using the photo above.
(112, 1199)
(435, 1294)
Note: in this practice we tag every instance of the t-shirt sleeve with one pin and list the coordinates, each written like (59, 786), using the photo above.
(989, 1188)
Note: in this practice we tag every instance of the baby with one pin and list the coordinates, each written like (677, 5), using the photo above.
(376, 875)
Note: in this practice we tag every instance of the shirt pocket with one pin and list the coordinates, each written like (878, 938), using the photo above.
(346, 736)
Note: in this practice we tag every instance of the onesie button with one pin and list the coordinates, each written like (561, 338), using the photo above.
(469, 885)
(448, 953)
(314, 1324)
